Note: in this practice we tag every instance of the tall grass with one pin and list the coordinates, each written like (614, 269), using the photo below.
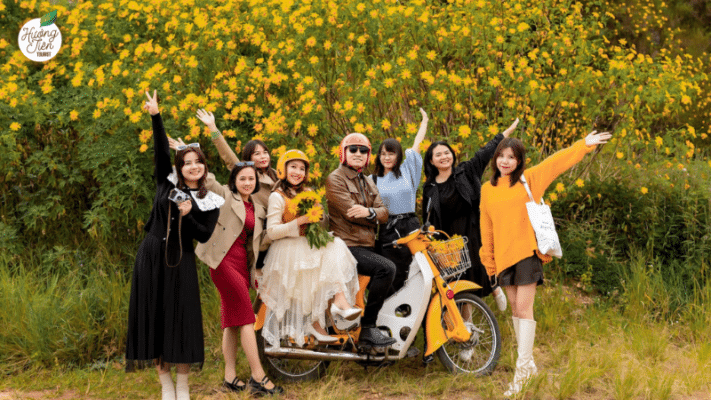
(56, 320)
(52, 319)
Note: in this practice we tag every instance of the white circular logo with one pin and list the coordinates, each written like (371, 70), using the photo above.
(39, 43)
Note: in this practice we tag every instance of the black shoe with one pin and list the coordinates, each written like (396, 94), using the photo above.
(373, 337)
(236, 386)
(427, 359)
(259, 388)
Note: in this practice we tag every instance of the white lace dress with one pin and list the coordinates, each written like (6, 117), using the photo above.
(297, 281)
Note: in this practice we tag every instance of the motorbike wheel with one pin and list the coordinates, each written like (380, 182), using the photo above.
(288, 370)
(481, 353)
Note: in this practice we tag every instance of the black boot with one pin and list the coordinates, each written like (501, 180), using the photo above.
(373, 337)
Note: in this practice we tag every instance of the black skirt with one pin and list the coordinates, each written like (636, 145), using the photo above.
(164, 317)
(527, 271)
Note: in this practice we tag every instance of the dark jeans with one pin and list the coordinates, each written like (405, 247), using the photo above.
(381, 272)
(401, 256)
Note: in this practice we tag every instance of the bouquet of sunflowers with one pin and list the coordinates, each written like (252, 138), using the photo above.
(447, 253)
(309, 203)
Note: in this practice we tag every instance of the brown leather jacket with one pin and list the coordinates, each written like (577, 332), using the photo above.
(343, 190)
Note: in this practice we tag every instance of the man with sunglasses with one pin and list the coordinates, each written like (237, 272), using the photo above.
(355, 210)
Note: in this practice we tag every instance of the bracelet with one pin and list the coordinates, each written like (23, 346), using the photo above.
(215, 134)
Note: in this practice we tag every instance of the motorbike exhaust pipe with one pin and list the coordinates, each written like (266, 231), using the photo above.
(323, 355)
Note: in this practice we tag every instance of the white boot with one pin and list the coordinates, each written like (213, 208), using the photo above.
(525, 367)
(167, 388)
(181, 387)
(515, 324)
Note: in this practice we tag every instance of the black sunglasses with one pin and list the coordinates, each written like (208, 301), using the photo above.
(245, 164)
(355, 148)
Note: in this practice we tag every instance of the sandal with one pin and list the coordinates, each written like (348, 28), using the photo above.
(260, 389)
(236, 386)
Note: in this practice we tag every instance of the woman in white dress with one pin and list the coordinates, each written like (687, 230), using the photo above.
(298, 281)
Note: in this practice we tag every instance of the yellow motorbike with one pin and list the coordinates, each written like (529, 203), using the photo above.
(459, 326)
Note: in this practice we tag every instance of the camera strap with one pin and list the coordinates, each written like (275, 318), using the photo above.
(180, 238)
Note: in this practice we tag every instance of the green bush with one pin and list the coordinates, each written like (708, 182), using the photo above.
(664, 213)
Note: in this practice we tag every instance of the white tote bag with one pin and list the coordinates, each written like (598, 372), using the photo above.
(542, 222)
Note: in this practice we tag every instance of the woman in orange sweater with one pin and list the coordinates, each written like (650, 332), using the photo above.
(509, 250)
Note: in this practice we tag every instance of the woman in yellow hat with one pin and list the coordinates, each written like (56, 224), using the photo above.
(298, 281)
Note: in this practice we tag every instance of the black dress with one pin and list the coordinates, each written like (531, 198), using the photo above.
(164, 317)
(454, 208)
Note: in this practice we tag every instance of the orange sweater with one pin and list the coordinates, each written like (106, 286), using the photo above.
(506, 233)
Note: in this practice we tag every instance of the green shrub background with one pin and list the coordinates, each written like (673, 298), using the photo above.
(76, 164)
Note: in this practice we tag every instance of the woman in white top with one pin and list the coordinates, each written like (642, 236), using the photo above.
(298, 281)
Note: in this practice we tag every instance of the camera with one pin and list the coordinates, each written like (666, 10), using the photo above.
(178, 196)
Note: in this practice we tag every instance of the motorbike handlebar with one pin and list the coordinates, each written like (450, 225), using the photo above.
(425, 229)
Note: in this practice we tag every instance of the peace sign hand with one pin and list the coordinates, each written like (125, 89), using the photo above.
(594, 138)
(152, 103)
(207, 118)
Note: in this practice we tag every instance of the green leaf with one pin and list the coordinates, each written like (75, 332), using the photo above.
(48, 19)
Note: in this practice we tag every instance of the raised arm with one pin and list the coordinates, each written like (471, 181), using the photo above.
(476, 165)
(213, 185)
(226, 153)
(163, 167)
(420, 133)
(541, 176)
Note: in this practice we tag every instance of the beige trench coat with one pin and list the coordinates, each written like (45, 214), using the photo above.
(229, 227)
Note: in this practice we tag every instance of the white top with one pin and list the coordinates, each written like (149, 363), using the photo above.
(276, 229)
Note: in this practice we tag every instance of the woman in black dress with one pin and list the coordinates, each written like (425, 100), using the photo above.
(165, 319)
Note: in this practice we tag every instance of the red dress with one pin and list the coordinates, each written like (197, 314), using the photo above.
(231, 278)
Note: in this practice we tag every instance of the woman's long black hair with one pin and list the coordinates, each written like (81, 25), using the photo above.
(431, 171)
(249, 150)
(392, 146)
(233, 176)
(519, 152)
(180, 163)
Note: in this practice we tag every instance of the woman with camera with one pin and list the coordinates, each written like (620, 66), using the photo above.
(165, 318)
(230, 253)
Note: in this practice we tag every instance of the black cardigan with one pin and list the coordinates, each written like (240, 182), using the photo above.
(467, 176)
